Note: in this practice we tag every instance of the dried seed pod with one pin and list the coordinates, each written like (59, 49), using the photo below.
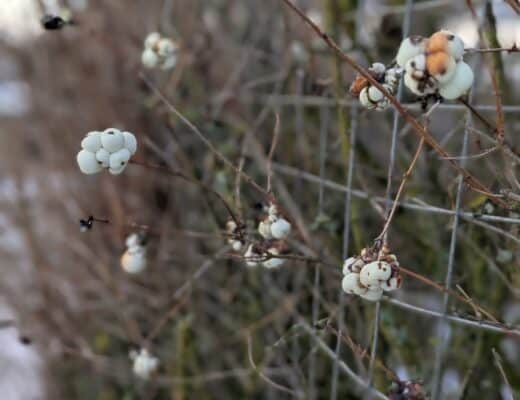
(360, 82)
(409, 48)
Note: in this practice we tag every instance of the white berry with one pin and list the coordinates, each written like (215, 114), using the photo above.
(372, 294)
(92, 142)
(133, 261)
(152, 39)
(112, 140)
(409, 48)
(87, 162)
(281, 228)
(103, 157)
(374, 273)
(459, 84)
(119, 159)
(145, 365)
(273, 262)
(130, 142)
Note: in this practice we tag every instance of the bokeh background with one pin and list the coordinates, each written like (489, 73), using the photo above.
(70, 315)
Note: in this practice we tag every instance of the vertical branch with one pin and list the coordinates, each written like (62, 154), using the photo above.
(276, 134)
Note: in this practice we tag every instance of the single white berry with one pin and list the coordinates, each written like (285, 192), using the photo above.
(281, 228)
(374, 94)
(459, 84)
(152, 39)
(133, 261)
(391, 284)
(103, 157)
(352, 285)
(409, 48)
(119, 159)
(87, 162)
(236, 245)
(416, 66)
(352, 264)
(273, 262)
(165, 47)
(251, 257)
(149, 58)
(456, 47)
(92, 142)
(372, 294)
(112, 140)
(365, 100)
(169, 62)
(378, 68)
(374, 273)
(130, 142)
(133, 240)
(264, 229)
(145, 365)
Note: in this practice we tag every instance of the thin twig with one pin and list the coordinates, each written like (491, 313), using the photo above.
(406, 176)
(276, 134)
(201, 136)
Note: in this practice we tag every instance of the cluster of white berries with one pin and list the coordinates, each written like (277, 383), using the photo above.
(159, 52)
(434, 65)
(274, 229)
(134, 259)
(274, 226)
(371, 273)
(145, 364)
(371, 97)
(110, 149)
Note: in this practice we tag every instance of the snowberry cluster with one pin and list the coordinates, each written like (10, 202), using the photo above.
(434, 65)
(134, 259)
(371, 97)
(371, 273)
(273, 228)
(159, 52)
(110, 149)
(145, 364)
(273, 225)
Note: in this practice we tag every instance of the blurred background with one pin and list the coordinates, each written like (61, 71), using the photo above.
(69, 315)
